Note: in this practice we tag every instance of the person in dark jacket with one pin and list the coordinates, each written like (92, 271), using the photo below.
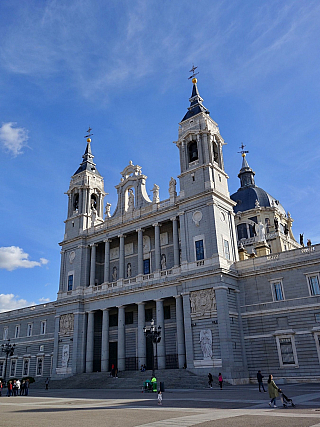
(259, 378)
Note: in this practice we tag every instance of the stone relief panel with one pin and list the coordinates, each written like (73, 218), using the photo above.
(164, 239)
(66, 323)
(206, 343)
(114, 253)
(65, 356)
(128, 249)
(72, 256)
(146, 244)
(203, 303)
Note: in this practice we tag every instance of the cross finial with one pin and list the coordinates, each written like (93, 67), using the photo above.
(193, 69)
(89, 133)
(243, 152)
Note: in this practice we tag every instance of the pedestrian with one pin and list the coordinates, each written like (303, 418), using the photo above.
(22, 388)
(0, 388)
(47, 383)
(273, 390)
(18, 385)
(259, 378)
(159, 397)
(112, 370)
(220, 379)
(210, 379)
(9, 385)
(26, 387)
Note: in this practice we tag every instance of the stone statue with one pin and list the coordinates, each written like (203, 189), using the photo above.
(129, 269)
(130, 200)
(276, 224)
(107, 210)
(206, 343)
(93, 216)
(257, 204)
(309, 243)
(163, 262)
(65, 356)
(172, 186)
(301, 240)
(155, 190)
(261, 232)
(114, 274)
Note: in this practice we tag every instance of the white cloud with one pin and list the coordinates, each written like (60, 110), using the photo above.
(44, 300)
(12, 302)
(13, 138)
(13, 257)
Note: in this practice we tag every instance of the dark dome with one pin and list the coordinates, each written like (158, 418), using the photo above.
(246, 198)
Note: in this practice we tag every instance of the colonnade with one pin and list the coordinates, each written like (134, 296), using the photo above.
(141, 339)
(139, 231)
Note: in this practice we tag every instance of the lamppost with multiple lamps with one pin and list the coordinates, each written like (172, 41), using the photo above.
(154, 334)
(8, 349)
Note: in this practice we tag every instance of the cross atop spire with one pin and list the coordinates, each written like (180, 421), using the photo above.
(89, 133)
(243, 152)
(193, 69)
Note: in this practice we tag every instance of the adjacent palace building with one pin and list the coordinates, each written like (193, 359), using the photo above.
(223, 276)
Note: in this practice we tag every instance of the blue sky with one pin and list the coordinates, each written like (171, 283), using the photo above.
(122, 68)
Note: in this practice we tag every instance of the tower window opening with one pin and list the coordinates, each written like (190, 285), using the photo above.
(76, 202)
(193, 151)
(93, 202)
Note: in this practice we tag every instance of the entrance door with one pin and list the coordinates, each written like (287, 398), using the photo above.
(113, 354)
(149, 355)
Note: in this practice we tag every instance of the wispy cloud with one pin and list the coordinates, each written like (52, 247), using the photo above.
(13, 138)
(44, 300)
(12, 302)
(13, 257)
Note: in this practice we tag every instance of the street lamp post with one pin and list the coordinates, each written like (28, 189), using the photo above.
(154, 334)
(7, 348)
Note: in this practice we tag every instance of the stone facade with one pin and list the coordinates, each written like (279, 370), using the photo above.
(175, 261)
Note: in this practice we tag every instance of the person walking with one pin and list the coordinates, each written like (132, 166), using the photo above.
(273, 390)
(259, 378)
(210, 379)
(18, 385)
(47, 383)
(159, 397)
(220, 379)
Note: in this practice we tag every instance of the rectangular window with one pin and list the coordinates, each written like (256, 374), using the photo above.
(5, 333)
(39, 366)
(226, 249)
(113, 320)
(1, 368)
(277, 291)
(17, 331)
(25, 367)
(199, 250)
(317, 317)
(29, 330)
(146, 266)
(166, 312)
(13, 368)
(314, 285)
(286, 350)
(43, 326)
(148, 314)
(129, 317)
(70, 282)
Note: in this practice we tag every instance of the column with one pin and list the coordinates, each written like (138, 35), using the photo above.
(180, 332)
(62, 286)
(121, 339)
(161, 350)
(224, 328)
(187, 330)
(93, 264)
(157, 246)
(141, 338)
(176, 253)
(90, 342)
(55, 346)
(183, 237)
(70, 210)
(121, 256)
(140, 250)
(106, 274)
(105, 341)
(79, 342)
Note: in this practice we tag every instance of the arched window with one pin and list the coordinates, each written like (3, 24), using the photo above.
(93, 201)
(76, 201)
(193, 151)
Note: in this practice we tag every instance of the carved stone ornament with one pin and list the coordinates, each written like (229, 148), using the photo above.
(197, 217)
(206, 343)
(203, 303)
(66, 323)
(72, 256)
(65, 355)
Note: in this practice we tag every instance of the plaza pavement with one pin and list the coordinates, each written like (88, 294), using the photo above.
(238, 406)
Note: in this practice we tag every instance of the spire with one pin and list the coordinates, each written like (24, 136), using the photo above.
(196, 105)
(246, 174)
(87, 163)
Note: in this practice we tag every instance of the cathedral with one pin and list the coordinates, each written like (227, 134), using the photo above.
(219, 277)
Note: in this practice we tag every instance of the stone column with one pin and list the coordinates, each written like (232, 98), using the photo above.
(80, 200)
(176, 252)
(121, 339)
(62, 287)
(121, 256)
(79, 342)
(141, 338)
(180, 332)
(90, 342)
(157, 248)
(188, 330)
(55, 346)
(106, 274)
(93, 264)
(70, 207)
(105, 341)
(224, 328)
(161, 350)
(140, 250)
(183, 237)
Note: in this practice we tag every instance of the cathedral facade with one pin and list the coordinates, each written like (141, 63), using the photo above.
(221, 276)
